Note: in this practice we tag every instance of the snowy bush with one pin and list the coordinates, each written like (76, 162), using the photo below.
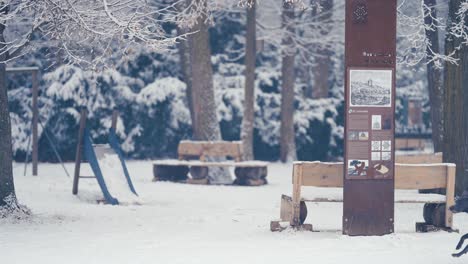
(146, 89)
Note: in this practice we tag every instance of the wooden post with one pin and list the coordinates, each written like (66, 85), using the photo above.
(35, 121)
(450, 195)
(296, 195)
(79, 150)
(115, 116)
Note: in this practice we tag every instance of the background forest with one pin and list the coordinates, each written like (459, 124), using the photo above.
(149, 89)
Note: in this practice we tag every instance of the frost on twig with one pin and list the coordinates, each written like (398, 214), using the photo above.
(87, 32)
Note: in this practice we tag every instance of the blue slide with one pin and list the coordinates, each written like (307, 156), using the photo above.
(90, 155)
(114, 143)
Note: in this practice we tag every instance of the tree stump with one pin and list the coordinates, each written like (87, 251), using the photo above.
(170, 172)
(250, 176)
(198, 172)
(428, 212)
(302, 212)
(438, 216)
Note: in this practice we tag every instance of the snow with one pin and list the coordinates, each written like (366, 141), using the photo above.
(179, 223)
(116, 182)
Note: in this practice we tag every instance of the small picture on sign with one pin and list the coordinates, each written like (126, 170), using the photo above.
(363, 135)
(357, 167)
(375, 155)
(370, 88)
(353, 135)
(386, 145)
(387, 122)
(376, 122)
(386, 156)
(375, 145)
(381, 169)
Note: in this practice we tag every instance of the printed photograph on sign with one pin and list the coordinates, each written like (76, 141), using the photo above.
(386, 145)
(386, 156)
(357, 167)
(375, 155)
(381, 169)
(376, 122)
(375, 145)
(353, 135)
(370, 88)
(363, 135)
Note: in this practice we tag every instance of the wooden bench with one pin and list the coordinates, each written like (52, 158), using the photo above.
(250, 173)
(410, 143)
(407, 177)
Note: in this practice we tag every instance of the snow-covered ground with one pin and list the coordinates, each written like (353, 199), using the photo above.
(179, 223)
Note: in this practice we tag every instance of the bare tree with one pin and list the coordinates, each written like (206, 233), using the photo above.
(322, 13)
(206, 125)
(184, 55)
(434, 74)
(456, 93)
(86, 32)
(287, 137)
(249, 88)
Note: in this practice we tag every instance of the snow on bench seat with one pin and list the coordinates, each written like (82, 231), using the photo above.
(335, 195)
(198, 163)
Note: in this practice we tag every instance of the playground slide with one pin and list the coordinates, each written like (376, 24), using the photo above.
(111, 172)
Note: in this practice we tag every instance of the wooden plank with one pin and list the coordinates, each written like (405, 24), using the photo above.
(321, 174)
(416, 176)
(419, 159)
(35, 120)
(22, 69)
(296, 196)
(286, 209)
(115, 116)
(450, 195)
(409, 143)
(212, 163)
(334, 200)
(79, 149)
(407, 176)
(211, 149)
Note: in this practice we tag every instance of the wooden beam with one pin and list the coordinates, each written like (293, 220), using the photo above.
(413, 176)
(22, 69)
(115, 116)
(407, 176)
(321, 174)
(79, 150)
(450, 195)
(197, 163)
(210, 148)
(35, 119)
(296, 196)
(409, 143)
(340, 200)
(419, 159)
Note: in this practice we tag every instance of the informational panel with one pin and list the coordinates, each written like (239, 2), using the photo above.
(369, 155)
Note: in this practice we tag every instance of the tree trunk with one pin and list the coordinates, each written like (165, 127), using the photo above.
(456, 102)
(434, 76)
(287, 139)
(248, 119)
(184, 56)
(203, 97)
(7, 187)
(321, 69)
(206, 125)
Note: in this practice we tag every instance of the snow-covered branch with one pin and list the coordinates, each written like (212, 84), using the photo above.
(87, 31)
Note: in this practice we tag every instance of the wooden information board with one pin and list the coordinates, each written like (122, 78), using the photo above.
(370, 43)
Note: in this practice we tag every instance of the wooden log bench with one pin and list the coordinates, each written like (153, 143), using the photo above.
(407, 177)
(410, 143)
(206, 153)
